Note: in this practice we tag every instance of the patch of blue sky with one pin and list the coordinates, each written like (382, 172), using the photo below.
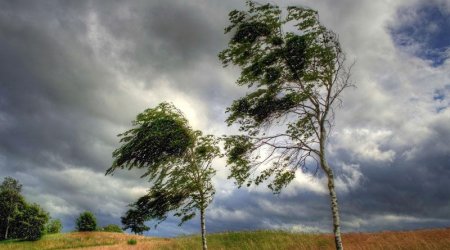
(439, 95)
(441, 98)
(423, 30)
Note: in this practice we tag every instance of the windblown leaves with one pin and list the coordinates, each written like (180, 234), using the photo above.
(160, 137)
(290, 64)
(177, 160)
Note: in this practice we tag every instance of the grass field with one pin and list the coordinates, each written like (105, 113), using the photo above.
(260, 240)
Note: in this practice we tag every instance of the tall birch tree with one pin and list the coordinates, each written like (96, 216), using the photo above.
(295, 72)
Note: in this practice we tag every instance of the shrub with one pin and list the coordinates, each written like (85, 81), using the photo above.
(18, 218)
(112, 228)
(30, 223)
(86, 222)
(132, 242)
(54, 226)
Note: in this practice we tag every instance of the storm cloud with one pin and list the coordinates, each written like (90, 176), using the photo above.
(74, 74)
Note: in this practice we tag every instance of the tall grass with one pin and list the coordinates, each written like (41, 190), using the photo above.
(258, 240)
(61, 241)
(435, 239)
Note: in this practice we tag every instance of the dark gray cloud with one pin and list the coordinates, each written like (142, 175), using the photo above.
(74, 74)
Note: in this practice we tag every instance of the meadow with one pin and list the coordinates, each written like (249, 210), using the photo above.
(245, 240)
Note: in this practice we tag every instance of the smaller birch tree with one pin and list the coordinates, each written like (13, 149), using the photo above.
(178, 161)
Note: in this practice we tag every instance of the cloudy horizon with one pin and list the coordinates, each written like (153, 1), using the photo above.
(74, 74)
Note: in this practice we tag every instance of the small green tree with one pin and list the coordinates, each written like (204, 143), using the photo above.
(112, 228)
(18, 219)
(178, 162)
(135, 221)
(86, 222)
(30, 223)
(294, 68)
(11, 203)
(54, 226)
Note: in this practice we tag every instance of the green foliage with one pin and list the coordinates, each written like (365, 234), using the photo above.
(12, 204)
(10, 184)
(54, 226)
(293, 77)
(30, 223)
(86, 222)
(187, 188)
(159, 138)
(18, 219)
(178, 161)
(112, 228)
(132, 242)
(134, 220)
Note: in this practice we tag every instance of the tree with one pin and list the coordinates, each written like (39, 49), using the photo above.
(86, 222)
(294, 69)
(11, 184)
(135, 221)
(112, 228)
(18, 219)
(30, 223)
(53, 226)
(11, 202)
(178, 162)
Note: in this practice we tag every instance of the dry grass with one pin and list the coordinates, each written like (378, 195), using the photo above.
(86, 240)
(411, 240)
(259, 240)
(262, 240)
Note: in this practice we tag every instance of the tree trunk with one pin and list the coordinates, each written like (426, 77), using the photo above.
(203, 227)
(7, 229)
(333, 197)
(334, 202)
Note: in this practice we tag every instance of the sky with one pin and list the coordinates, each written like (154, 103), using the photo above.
(74, 74)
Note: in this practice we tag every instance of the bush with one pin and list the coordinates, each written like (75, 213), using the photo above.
(30, 223)
(132, 242)
(112, 228)
(18, 218)
(86, 222)
(54, 226)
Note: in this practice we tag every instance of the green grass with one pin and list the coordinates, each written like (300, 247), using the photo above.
(59, 241)
(132, 242)
(245, 240)
(260, 240)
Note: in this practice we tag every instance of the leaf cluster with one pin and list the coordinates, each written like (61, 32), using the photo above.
(134, 219)
(293, 78)
(160, 137)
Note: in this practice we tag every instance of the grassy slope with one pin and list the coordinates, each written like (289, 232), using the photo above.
(260, 240)
(86, 240)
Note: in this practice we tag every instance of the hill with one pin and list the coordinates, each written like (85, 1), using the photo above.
(260, 240)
